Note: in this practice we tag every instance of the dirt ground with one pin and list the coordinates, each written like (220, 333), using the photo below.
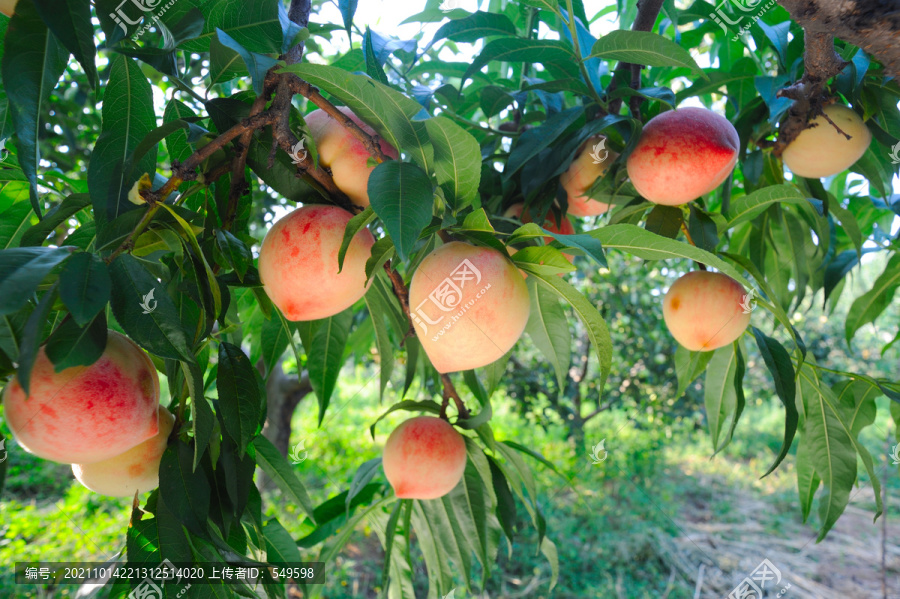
(846, 565)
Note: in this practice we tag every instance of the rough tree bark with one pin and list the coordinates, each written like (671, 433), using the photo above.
(873, 25)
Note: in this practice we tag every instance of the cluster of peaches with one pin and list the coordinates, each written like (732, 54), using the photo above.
(105, 419)
(680, 156)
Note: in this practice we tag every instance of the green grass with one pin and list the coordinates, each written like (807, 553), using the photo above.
(606, 530)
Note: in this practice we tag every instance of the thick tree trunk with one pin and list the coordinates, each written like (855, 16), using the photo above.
(284, 395)
(873, 25)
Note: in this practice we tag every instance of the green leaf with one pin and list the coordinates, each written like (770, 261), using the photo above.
(236, 252)
(14, 223)
(279, 470)
(257, 64)
(588, 244)
(719, 391)
(280, 545)
(703, 229)
(808, 481)
(70, 22)
(457, 161)
(22, 270)
(514, 49)
(185, 490)
(778, 361)
(364, 475)
(378, 312)
(32, 336)
(33, 61)
(548, 328)
(325, 356)
(402, 196)
(643, 47)
(348, 11)
(867, 307)
(275, 337)
(158, 331)
(831, 448)
(240, 402)
(476, 26)
(688, 366)
(128, 117)
(649, 246)
(665, 221)
(254, 24)
(596, 327)
(387, 111)
(746, 208)
(533, 141)
(410, 406)
(374, 67)
(358, 222)
(84, 286)
(54, 218)
(74, 345)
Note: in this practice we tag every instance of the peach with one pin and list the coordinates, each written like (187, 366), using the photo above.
(821, 151)
(136, 470)
(683, 154)
(345, 155)
(470, 306)
(8, 7)
(90, 413)
(705, 310)
(298, 263)
(424, 458)
(582, 173)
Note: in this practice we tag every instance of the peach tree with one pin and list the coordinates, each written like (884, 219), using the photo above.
(441, 201)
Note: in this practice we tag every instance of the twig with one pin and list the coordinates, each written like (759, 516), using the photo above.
(690, 240)
(647, 12)
(699, 586)
(402, 294)
(238, 183)
(451, 393)
(370, 142)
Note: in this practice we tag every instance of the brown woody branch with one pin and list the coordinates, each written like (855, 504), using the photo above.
(872, 26)
(451, 393)
(647, 12)
(370, 142)
(821, 64)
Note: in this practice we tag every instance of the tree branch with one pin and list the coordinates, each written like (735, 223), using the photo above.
(873, 26)
(451, 393)
(647, 12)
(821, 64)
(370, 142)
